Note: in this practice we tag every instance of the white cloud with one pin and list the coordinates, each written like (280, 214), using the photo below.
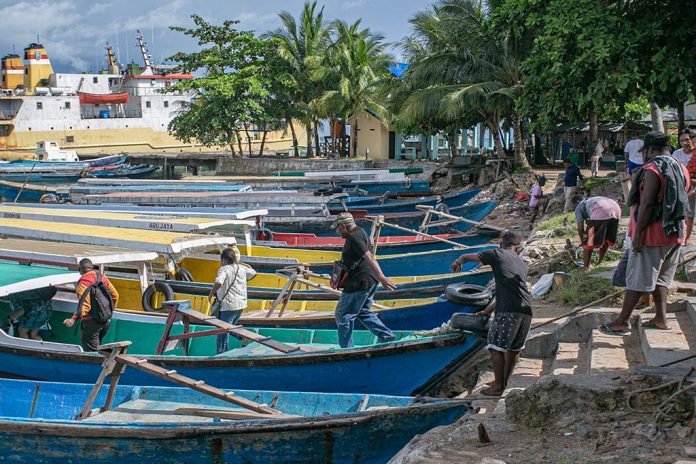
(350, 4)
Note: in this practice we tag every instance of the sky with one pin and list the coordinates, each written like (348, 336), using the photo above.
(75, 32)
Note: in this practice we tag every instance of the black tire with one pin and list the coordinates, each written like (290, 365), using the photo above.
(470, 322)
(150, 291)
(184, 275)
(468, 294)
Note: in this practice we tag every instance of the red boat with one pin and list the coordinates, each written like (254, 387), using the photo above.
(390, 244)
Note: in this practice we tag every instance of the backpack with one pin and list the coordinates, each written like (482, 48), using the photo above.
(101, 305)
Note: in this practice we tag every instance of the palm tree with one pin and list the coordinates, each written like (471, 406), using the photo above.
(467, 66)
(302, 44)
(358, 66)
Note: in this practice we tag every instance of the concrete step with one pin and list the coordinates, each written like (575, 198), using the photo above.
(665, 346)
(608, 354)
(527, 371)
(571, 359)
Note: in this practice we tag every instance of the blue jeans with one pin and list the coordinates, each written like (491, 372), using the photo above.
(356, 305)
(227, 316)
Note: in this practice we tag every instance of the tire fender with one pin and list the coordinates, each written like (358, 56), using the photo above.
(150, 291)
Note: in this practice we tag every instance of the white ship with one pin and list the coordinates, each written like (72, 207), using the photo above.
(107, 112)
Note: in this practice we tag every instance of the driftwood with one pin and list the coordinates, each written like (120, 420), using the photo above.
(543, 266)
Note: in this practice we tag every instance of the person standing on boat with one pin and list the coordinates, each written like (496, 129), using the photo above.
(360, 286)
(230, 292)
(513, 307)
(92, 332)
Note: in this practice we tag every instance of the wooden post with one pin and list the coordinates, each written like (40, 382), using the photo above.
(281, 295)
(426, 220)
(377, 231)
(286, 300)
(107, 368)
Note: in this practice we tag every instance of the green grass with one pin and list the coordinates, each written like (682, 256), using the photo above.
(554, 222)
(582, 289)
(680, 275)
(591, 183)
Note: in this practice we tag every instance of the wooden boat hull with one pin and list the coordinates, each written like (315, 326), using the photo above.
(401, 367)
(388, 245)
(410, 220)
(49, 437)
(452, 200)
(29, 192)
(413, 290)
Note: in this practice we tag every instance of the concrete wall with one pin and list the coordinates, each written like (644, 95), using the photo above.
(265, 166)
(373, 136)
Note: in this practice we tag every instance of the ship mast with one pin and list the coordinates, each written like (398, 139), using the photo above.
(111, 60)
(148, 71)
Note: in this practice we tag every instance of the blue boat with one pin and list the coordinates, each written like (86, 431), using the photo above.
(397, 206)
(380, 188)
(410, 364)
(12, 191)
(129, 171)
(473, 212)
(413, 317)
(410, 264)
(170, 425)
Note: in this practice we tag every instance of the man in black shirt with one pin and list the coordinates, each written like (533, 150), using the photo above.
(359, 290)
(513, 307)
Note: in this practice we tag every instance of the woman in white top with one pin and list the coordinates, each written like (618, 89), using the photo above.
(230, 291)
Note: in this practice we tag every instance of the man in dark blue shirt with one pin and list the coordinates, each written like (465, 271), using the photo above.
(570, 183)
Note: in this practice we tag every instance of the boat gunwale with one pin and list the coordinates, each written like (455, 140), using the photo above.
(158, 431)
(273, 360)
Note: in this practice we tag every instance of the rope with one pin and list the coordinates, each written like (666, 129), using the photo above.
(578, 309)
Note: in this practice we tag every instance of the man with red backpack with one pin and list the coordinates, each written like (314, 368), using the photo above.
(97, 300)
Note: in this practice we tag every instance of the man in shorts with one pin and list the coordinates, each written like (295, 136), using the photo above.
(513, 307)
(602, 216)
(657, 232)
(685, 155)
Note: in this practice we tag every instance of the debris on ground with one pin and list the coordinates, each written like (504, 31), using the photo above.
(569, 419)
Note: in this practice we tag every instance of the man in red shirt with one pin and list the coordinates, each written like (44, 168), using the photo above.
(92, 332)
(659, 205)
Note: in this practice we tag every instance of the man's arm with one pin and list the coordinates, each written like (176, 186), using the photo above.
(79, 290)
(213, 291)
(372, 262)
(113, 291)
(651, 187)
(470, 258)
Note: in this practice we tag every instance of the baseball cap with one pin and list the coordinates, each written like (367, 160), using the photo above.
(655, 140)
(343, 219)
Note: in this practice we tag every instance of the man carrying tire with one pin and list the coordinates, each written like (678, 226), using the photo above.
(513, 307)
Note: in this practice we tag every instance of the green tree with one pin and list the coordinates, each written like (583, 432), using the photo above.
(467, 67)
(302, 44)
(583, 60)
(358, 66)
(231, 89)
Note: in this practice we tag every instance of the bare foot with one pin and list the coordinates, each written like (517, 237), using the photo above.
(652, 324)
(492, 391)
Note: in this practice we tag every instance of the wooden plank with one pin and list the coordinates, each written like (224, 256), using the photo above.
(235, 330)
(190, 383)
(223, 414)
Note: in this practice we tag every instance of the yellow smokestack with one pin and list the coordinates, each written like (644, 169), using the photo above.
(11, 72)
(38, 67)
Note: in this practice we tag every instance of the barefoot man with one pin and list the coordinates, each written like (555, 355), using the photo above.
(513, 307)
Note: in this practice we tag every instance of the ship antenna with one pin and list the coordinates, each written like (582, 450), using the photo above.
(146, 56)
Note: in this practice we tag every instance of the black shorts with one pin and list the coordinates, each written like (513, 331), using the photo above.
(600, 233)
(509, 331)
